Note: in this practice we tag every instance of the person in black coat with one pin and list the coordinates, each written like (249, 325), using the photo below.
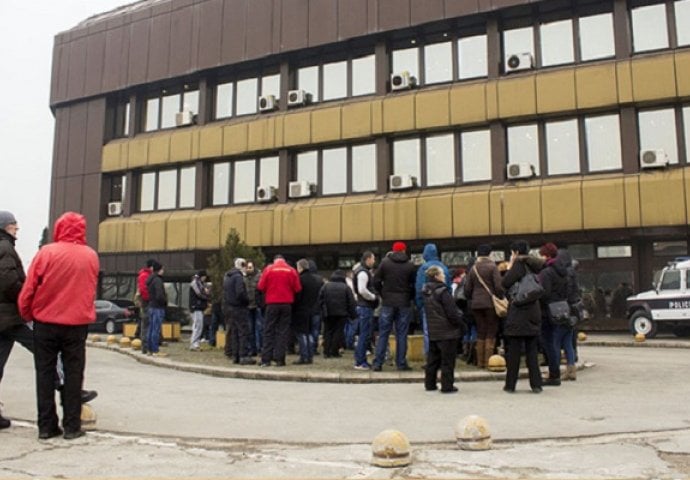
(337, 304)
(523, 323)
(236, 303)
(445, 326)
(303, 310)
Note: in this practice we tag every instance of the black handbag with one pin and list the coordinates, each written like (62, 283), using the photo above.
(559, 312)
(526, 290)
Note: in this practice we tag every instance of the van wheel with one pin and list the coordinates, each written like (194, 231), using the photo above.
(641, 322)
(110, 326)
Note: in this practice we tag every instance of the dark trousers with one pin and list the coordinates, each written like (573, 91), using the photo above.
(144, 325)
(49, 341)
(239, 331)
(276, 332)
(21, 334)
(487, 323)
(513, 353)
(442, 355)
(333, 335)
(553, 354)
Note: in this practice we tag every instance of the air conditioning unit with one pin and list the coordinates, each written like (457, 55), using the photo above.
(298, 98)
(519, 61)
(268, 103)
(265, 193)
(114, 209)
(301, 189)
(402, 81)
(402, 182)
(653, 158)
(185, 117)
(520, 170)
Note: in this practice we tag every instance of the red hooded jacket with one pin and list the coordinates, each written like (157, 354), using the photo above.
(144, 275)
(60, 287)
(279, 282)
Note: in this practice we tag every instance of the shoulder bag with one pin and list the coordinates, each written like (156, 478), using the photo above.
(526, 290)
(559, 312)
(500, 304)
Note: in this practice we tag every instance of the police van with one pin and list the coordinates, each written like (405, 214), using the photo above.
(667, 307)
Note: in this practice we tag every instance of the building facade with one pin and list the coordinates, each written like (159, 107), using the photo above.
(326, 127)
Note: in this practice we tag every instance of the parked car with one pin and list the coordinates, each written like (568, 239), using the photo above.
(110, 317)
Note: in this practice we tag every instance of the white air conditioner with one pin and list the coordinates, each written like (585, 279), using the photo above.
(268, 103)
(402, 81)
(185, 117)
(653, 158)
(402, 182)
(298, 98)
(520, 170)
(114, 209)
(265, 193)
(519, 61)
(301, 189)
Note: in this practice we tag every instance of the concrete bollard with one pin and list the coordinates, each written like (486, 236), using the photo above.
(390, 448)
(496, 364)
(472, 433)
(136, 344)
(125, 342)
(95, 338)
(581, 337)
(111, 340)
(640, 337)
(88, 417)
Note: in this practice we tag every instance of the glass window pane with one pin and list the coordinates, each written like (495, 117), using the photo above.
(125, 128)
(363, 75)
(270, 85)
(476, 155)
(152, 114)
(224, 100)
(306, 167)
(170, 105)
(658, 131)
(517, 41)
(562, 147)
(683, 22)
(686, 131)
(473, 57)
(334, 80)
(523, 145)
(221, 183)
(582, 251)
(603, 135)
(616, 251)
(406, 60)
(406, 157)
(557, 43)
(670, 249)
(190, 101)
(334, 171)
(596, 37)
(670, 280)
(438, 63)
(187, 187)
(364, 168)
(440, 160)
(308, 80)
(268, 172)
(148, 189)
(649, 27)
(167, 189)
(244, 181)
(247, 96)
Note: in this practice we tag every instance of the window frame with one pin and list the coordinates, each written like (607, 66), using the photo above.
(255, 74)
(158, 95)
(156, 188)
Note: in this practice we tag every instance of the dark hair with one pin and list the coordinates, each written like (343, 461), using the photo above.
(520, 246)
(156, 266)
(484, 250)
(367, 255)
(150, 262)
(278, 257)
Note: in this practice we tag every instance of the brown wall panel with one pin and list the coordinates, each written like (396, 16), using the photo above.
(456, 8)
(116, 55)
(352, 18)
(234, 31)
(181, 40)
(159, 47)
(91, 206)
(426, 11)
(58, 205)
(54, 72)
(76, 148)
(95, 56)
(73, 195)
(61, 141)
(196, 33)
(63, 71)
(210, 27)
(323, 21)
(77, 68)
(259, 26)
(94, 135)
(393, 14)
(295, 24)
(277, 25)
(138, 51)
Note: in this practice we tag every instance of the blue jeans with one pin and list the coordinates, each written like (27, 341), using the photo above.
(425, 330)
(563, 338)
(349, 331)
(156, 316)
(365, 316)
(306, 347)
(315, 329)
(400, 317)
(256, 330)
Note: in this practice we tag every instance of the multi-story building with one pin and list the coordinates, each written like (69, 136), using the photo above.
(324, 127)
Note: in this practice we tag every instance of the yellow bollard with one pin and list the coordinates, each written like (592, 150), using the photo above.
(390, 448)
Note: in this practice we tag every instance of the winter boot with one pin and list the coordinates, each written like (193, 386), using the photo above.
(571, 373)
(488, 350)
(481, 349)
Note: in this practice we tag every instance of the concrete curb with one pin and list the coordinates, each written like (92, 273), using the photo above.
(634, 344)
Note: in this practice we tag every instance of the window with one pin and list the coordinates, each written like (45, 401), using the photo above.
(308, 80)
(617, 251)
(161, 111)
(339, 79)
(682, 10)
(406, 158)
(118, 118)
(476, 155)
(268, 171)
(170, 105)
(221, 184)
(562, 147)
(438, 63)
(147, 192)
(364, 168)
(596, 37)
(334, 80)
(224, 100)
(658, 131)
(670, 249)
(152, 114)
(334, 171)
(332, 168)
(649, 28)
(270, 85)
(557, 43)
(247, 96)
(187, 187)
(603, 142)
(363, 75)
(307, 166)
(523, 145)
(670, 280)
(582, 251)
(472, 57)
(440, 160)
(406, 60)
(244, 185)
(167, 189)
(517, 41)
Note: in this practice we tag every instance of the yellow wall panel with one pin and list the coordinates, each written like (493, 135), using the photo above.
(280, 131)
(325, 224)
(357, 220)
(561, 207)
(196, 132)
(179, 229)
(232, 218)
(133, 235)
(210, 141)
(596, 86)
(235, 139)
(683, 73)
(522, 210)
(653, 78)
(377, 224)
(208, 229)
(517, 96)
(262, 134)
(159, 149)
(468, 104)
(556, 91)
(155, 227)
(432, 109)
(181, 145)
(603, 203)
(633, 215)
(435, 216)
(400, 218)
(110, 236)
(356, 119)
(325, 125)
(398, 113)
(297, 128)
(624, 80)
(138, 153)
(259, 228)
(110, 158)
(492, 100)
(296, 220)
(471, 214)
(662, 198)
(377, 117)
(496, 212)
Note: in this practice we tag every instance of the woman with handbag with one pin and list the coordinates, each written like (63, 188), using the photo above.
(523, 323)
(483, 284)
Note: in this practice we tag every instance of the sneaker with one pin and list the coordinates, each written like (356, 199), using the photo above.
(537, 390)
(50, 434)
(551, 382)
(264, 364)
(247, 361)
(194, 349)
(508, 390)
(452, 390)
(431, 389)
(363, 366)
(4, 422)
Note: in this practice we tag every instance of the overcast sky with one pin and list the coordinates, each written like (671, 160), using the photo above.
(26, 123)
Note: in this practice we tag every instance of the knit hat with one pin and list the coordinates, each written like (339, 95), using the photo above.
(6, 218)
(156, 266)
(548, 250)
(399, 247)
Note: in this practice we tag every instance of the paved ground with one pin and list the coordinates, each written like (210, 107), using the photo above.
(626, 417)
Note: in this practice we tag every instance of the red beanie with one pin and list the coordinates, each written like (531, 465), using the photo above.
(549, 250)
(399, 247)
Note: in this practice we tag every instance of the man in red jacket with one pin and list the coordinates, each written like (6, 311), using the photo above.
(58, 296)
(143, 291)
(279, 283)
